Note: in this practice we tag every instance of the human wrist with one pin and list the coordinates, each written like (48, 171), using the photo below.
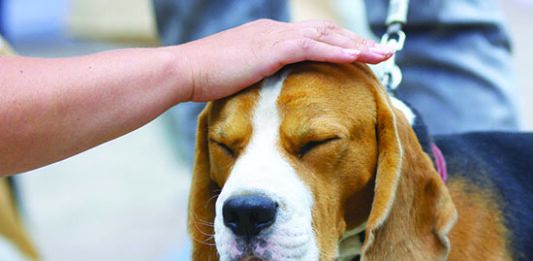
(176, 69)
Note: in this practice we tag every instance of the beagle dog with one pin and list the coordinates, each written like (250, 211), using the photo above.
(318, 163)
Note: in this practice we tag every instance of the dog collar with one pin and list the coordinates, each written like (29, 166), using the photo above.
(440, 162)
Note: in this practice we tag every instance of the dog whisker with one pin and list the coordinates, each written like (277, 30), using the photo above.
(204, 242)
(198, 224)
(208, 241)
(196, 219)
(204, 223)
(217, 192)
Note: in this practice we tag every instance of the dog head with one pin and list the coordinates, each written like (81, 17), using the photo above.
(287, 168)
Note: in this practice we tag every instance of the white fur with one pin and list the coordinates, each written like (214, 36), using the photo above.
(407, 112)
(261, 169)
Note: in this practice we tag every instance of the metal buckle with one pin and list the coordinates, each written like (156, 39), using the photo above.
(394, 38)
(392, 78)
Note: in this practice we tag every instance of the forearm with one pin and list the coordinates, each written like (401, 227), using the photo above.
(54, 108)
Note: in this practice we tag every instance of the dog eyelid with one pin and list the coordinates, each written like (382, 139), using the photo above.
(307, 147)
(224, 147)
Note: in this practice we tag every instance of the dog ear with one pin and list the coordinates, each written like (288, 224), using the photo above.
(412, 211)
(202, 197)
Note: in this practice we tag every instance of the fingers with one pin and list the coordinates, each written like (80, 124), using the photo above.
(375, 53)
(325, 41)
(298, 50)
(327, 32)
(306, 49)
(228, 61)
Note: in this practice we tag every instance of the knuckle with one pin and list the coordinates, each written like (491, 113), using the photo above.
(331, 26)
(321, 32)
(325, 29)
(305, 44)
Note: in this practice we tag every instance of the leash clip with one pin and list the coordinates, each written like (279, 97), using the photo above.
(392, 77)
(394, 37)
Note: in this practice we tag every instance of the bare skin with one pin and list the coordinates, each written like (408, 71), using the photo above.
(51, 109)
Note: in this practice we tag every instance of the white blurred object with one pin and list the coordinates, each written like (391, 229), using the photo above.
(348, 13)
(353, 15)
(124, 21)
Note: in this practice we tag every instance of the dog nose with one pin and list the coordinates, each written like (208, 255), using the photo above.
(248, 215)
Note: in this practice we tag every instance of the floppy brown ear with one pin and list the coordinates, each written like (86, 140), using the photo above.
(202, 197)
(412, 211)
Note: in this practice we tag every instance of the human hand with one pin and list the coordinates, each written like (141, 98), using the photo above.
(226, 62)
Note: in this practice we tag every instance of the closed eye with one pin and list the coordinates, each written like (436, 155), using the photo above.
(313, 144)
(224, 147)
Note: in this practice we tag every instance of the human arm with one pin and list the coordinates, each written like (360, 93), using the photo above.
(51, 109)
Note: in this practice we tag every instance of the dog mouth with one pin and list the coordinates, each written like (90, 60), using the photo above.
(250, 254)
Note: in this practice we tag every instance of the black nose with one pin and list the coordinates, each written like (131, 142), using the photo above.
(248, 215)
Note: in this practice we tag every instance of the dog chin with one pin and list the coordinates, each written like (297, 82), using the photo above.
(247, 250)
(271, 248)
(257, 251)
(252, 258)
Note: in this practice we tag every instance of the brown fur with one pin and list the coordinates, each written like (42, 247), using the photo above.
(479, 233)
(352, 158)
(412, 211)
(373, 171)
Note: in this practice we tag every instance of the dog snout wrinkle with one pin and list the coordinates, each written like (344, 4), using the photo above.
(248, 215)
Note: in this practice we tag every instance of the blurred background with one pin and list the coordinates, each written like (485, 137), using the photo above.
(126, 199)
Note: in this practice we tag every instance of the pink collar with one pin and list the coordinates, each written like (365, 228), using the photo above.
(440, 162)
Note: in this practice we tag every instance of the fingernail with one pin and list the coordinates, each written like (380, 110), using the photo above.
(381, 49)
(375, 56)
(352, 52)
